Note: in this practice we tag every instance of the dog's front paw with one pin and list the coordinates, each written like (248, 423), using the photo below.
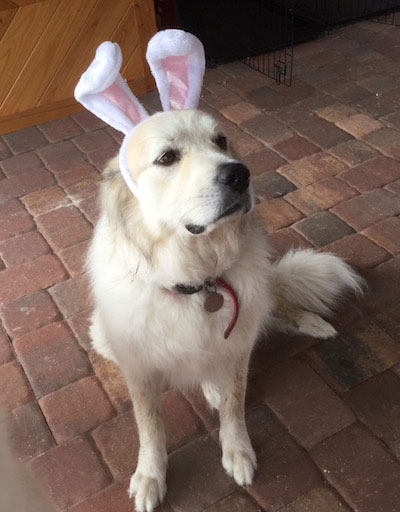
(148, 491)
(240, 464)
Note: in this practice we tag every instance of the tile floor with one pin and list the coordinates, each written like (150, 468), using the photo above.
(323, 415)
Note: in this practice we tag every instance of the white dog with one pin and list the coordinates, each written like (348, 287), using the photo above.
(181, 272)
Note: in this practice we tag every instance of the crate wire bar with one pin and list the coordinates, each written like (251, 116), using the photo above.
(307, 19)
(278, 63)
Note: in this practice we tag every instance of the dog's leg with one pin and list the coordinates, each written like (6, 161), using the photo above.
(99, 338)
(148, 482)
(238, 457)
(211, 394)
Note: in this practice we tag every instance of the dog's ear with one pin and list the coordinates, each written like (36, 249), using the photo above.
(177, 61)
(102, 90)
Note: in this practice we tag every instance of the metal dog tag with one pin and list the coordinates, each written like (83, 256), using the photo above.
(214, 301)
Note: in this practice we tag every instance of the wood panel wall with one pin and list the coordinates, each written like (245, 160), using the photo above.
(45, 45)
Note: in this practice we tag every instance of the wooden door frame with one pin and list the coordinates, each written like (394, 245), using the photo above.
(145, 26)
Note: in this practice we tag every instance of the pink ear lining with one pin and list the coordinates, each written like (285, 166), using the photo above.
(176, 70)
(116, 95)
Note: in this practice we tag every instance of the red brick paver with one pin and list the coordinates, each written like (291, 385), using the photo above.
(356, 357)
(386, 234)
(279, 480)
(323, 416)
(267, 130)
(114, 497)
(205, 481)
(30, 277)
(359, 125)
(25, 183)
(237, 502)
(354, 152)
(312, 411)
(60, 129)
(71, 296)
(51, 358)
(64, 226)
(368, 209)
(29, 434)
(74, 257)
(14, 220)
(321, 195)
(45, 200)
(21, 164)
(373, 174)
(317, 500)
(29, 313)
(376, 403)
(15, 390)
(21, 249)
(355, 462)
(25, 140)
(312, 169)
(76, 408)
(118, 440)
(71, 471)
(263, 161)
(358, 250)
(296, 148)
(323, 228)
(277, 214)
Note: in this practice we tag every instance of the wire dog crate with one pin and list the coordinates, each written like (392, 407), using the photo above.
(262, 33)
(277, 63)
(307, 19)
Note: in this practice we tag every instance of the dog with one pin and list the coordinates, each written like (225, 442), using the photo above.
(198, 224)
(183, 279)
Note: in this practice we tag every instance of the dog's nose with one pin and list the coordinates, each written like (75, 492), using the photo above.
(233, 175)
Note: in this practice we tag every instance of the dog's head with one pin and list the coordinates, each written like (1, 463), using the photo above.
(185, 172)
(177, 163)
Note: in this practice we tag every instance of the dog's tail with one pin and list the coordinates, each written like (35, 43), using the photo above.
(308, 284)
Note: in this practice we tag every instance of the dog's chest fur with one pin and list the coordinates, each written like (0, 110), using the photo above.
(149, 327)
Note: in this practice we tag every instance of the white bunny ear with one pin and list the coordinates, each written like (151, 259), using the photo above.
(102, 90)
(177, 61)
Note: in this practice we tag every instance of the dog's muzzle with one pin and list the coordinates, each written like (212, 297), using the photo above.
(234, 180)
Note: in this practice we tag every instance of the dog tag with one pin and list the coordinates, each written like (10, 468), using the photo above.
(213, 302)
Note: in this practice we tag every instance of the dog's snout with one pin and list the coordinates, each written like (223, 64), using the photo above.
(233, 175)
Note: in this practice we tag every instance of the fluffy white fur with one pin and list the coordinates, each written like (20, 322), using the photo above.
(160, 338)
(104, 71)
(141, 250)
(125, 171)
(308, 284)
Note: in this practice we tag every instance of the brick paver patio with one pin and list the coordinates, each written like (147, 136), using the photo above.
(323, 415)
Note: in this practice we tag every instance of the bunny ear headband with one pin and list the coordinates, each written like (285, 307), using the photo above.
(177, 61)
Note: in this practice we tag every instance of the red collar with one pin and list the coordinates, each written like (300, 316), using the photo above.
(190, 289)
(235, 315)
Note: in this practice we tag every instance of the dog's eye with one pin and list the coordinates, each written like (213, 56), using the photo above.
(168, 158)
(221, 142)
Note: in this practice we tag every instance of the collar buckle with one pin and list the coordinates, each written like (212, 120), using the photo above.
(187, 289)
